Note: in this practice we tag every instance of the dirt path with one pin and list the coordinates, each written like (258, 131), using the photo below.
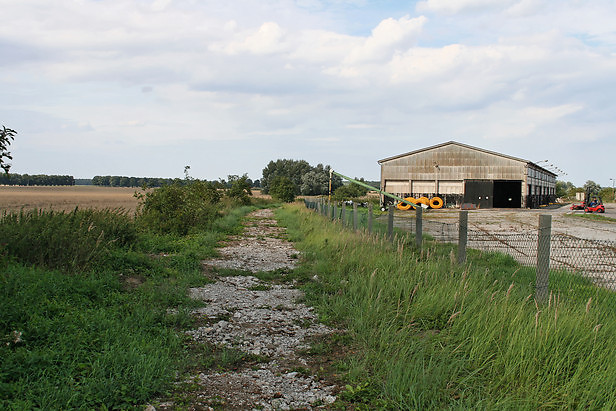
(265, 322)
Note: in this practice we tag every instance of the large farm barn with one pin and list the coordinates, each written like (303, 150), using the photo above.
(462, 174)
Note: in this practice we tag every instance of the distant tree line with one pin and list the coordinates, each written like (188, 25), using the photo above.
(124, 181)
(36, 180)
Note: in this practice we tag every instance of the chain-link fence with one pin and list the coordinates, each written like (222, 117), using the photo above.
(573, 266)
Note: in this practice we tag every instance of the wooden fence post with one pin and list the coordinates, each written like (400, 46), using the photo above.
(543, 257)
(354, 216)
(390, 223)
(418, 225)
(462, 236)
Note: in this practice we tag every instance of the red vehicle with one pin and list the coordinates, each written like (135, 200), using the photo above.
(595, 205)
(592, 203)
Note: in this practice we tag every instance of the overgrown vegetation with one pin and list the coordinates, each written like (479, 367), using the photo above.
(179, 208)
(351, 191)
(426, 333)
(7, 135)
(73, 241)
(92, 302)
(282, 189)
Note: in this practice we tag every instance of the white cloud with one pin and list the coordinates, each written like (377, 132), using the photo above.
(457, 6)
(389, 36)
(300, 79)
(268, 39)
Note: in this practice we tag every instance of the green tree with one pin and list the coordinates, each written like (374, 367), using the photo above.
(316, 181)
(564, 189)
(592, 187)
(179, 208)
(607, 194)
(282, 188)
(292, 169)
(350, 191)
(239, 189)
(6, 136)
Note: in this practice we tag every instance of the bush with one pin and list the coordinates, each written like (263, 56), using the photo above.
(240, 190)
(349, 192)
(179, 209)
(283, 189)
(68, 241)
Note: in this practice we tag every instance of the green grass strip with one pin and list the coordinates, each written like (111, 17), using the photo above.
(110, 337)
(430, 334)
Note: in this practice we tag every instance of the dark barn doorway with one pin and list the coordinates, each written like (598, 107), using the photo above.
(507, 194)
(479, 192)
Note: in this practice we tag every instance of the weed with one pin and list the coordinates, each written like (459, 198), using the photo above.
(259, 287)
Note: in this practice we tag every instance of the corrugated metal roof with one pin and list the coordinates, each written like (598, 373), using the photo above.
(469, 147)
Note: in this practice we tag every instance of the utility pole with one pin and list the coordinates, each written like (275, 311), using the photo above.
(613, 192)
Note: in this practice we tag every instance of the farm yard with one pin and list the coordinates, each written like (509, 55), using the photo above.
(206, 309)
(564, 221)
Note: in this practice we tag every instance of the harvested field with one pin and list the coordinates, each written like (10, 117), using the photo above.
(14, 198)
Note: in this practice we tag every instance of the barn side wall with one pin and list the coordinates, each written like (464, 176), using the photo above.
(443, 170)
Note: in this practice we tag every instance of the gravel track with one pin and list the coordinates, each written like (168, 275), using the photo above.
(261, 319)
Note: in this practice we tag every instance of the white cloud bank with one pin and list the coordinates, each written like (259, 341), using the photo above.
(146, 87)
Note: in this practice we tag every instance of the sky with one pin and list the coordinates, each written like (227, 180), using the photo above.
(146, 87)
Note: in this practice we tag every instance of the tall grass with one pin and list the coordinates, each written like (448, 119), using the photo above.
(92, 307)
(75, 240)
(429, 333)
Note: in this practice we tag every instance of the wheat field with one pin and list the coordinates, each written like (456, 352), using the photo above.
(15, 198)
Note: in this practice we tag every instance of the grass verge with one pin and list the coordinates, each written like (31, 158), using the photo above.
(592, 217)
(430, 334)
(102, 330)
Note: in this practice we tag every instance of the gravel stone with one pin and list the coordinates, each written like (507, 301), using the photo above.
(258, 318)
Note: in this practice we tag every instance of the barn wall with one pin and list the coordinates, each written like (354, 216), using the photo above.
(443, 170)
(455, 163)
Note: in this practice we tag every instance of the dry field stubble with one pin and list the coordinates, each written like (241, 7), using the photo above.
(15, 198)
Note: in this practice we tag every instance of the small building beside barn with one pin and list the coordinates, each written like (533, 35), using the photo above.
(465, 175)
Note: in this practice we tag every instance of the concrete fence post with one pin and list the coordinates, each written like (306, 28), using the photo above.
(370, 218)
(390, 223)
(418, 225)
(343, 214)
(354, 216)
(335, 214)
(462, 237)
(543, 257)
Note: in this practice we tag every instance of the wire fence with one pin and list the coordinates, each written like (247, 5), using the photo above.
(576, 267)
(592, 259)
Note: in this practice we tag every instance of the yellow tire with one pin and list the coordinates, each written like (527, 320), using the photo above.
(436, 202)
(423, 200)
(404, 206)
